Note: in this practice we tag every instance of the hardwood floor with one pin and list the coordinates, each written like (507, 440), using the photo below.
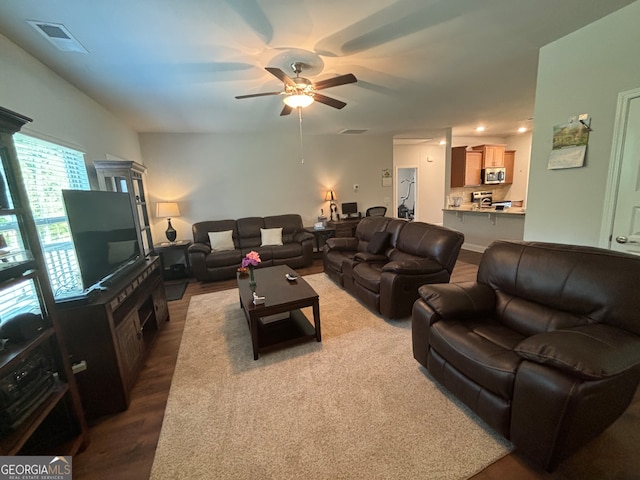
(123, 445)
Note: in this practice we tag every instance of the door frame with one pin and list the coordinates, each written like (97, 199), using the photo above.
(615, 166)
(396, 188)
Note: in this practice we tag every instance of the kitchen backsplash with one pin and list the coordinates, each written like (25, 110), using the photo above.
(499, 192)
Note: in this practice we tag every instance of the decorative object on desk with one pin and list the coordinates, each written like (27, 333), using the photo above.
(257, 300)
(322, 218)
(168, 210)
(330, 197)
(251, 260)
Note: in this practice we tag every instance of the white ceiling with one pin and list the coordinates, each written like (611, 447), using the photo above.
(422, 65)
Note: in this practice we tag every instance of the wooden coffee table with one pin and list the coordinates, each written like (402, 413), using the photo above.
(279, 322)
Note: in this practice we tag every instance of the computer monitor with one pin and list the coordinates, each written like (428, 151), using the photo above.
(349, 208)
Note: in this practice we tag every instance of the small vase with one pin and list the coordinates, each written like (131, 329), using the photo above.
(252, 280)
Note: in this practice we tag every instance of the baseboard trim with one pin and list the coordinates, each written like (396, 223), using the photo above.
(474, 248)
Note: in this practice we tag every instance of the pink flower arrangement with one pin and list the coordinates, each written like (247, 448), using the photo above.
(251, 259)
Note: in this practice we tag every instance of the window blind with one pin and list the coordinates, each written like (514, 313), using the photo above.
(47, 169)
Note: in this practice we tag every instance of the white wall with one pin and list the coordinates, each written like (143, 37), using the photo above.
(60, 112)
(216, 177)
(580, 73)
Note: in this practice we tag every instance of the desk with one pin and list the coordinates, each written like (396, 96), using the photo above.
(345, 227)
(321, 234)
(172, 271)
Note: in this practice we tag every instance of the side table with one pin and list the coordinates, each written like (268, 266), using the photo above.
(167, 252)
(321, 234)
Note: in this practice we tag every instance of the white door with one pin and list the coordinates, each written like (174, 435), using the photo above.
(625, 233)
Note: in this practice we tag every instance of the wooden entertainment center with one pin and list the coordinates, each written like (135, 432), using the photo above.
(112, 331)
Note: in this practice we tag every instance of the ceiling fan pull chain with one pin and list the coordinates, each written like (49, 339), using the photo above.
(301, 143)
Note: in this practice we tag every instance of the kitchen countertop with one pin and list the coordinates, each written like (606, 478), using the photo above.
(468, 208)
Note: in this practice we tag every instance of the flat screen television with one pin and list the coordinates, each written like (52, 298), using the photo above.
(350, 208)
(104, 233)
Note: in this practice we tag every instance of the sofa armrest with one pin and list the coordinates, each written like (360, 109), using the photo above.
(342, 243)
(413, 267)
(199, 248)
(589, 352)
(459, 300)
(370, 257)
(301, 236)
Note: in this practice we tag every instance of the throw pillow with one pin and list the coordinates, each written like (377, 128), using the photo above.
(379, 242)
(271, 236)
(221, 241)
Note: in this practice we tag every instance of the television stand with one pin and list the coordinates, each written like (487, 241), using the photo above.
(112, 331)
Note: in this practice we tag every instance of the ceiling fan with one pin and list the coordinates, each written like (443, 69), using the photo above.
(302, 92)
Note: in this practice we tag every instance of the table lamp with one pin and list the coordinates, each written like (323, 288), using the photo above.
(168, 210)
(330, 197)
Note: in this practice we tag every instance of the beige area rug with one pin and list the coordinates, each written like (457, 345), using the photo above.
(356, 406)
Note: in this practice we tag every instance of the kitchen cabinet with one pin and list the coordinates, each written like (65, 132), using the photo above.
(509, 165)
(466, 166)
(492, 155)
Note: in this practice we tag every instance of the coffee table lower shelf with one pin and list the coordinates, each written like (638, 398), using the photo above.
(277, 334)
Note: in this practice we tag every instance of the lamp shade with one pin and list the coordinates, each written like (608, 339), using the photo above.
(295, 101)
(330, 196)
(167, 210)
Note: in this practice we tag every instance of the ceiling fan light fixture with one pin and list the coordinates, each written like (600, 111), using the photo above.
(298, 101)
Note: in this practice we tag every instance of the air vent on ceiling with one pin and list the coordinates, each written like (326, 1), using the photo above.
(351, 131)
(58, 35)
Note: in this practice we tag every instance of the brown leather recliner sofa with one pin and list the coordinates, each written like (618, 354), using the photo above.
(544, 346)
(388, 259)
(207, 265)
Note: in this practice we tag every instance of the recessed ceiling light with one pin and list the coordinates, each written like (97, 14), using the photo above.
(480, 129)
(522, 129)
(443, 142)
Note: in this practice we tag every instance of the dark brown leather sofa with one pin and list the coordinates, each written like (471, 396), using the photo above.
(296, 250)
(544, 346)
(387, 260)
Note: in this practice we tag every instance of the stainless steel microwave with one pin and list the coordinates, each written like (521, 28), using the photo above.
(493, 175)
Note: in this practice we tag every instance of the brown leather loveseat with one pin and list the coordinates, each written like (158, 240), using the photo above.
(387, 260)
(544, 346)
(294, 247)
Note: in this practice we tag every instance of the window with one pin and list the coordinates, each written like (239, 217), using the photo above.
(47, 169)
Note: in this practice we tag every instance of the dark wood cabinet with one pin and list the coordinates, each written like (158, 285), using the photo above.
(128, 177)
(112, 332)
(345, 227)
(41, 409)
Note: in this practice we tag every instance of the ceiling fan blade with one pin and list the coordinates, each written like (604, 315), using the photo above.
(279, 74)
(239, 97)
(335, 81)
(286, 110)
(332, 102)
